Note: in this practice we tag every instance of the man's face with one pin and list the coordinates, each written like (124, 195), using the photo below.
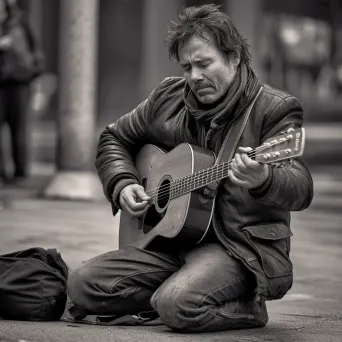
(207, 71)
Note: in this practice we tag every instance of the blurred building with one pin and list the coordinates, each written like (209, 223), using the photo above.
(295, 45)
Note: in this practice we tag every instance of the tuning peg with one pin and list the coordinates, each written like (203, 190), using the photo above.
(288, 131)
(290, 136)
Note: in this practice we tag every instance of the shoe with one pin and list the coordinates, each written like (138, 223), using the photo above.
(260, 312)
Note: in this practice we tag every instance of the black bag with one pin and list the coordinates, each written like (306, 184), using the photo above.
(24, 60)
(33, 285)
(18, 61)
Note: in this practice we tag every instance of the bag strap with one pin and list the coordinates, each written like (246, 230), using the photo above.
(230, 143)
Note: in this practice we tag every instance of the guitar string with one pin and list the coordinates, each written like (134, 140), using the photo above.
(165, 193)
(220, 173)
(191, 186)
(187, 184)
(203, 174)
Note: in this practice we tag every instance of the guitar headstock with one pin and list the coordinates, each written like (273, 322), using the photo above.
(281, 147)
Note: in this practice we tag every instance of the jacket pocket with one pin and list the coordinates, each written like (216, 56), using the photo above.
(272, 245)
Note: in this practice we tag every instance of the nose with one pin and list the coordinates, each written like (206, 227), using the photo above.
(196, 75)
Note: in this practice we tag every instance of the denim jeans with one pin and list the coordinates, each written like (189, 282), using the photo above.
(201, 290)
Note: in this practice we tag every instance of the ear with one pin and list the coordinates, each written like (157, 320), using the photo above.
(236, 58)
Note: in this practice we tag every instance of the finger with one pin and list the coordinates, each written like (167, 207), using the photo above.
(125, 207)
(132, 203)
(290, 130)
(236, 180)
(130, 211)
(141, 194)
(245, 149)
(239, 163)
(136, 206)
(237, 173)
(249, 162)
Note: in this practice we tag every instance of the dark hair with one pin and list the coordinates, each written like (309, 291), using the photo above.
(195, 20)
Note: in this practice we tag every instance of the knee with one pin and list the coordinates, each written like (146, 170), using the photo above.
(79, 287)
(175, 309)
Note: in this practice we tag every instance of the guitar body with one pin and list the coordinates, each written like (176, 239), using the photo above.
(175, 182)
(186, 217)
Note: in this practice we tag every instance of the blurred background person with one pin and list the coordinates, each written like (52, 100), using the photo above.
(21, 61)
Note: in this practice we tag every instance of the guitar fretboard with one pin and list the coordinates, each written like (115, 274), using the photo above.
(292, 146)
(198, 179)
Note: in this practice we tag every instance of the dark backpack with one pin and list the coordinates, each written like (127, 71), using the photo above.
(24, 60)
(33, 285)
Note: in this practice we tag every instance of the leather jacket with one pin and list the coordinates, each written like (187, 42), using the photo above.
(253, 225)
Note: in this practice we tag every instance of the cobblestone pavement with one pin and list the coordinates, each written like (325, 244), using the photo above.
(311, 311)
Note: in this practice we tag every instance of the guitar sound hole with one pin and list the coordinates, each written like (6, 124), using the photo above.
(163, 194)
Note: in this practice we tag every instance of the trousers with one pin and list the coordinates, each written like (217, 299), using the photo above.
(201, 290)
(14, 101)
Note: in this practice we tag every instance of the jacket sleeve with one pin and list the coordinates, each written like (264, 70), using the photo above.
(118, 144)
(289, 186)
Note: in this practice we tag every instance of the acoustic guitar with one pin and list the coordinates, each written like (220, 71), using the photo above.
(176, 182)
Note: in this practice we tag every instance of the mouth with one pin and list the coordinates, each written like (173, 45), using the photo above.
(204, 90)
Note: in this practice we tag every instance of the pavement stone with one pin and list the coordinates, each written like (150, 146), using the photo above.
(311, 311)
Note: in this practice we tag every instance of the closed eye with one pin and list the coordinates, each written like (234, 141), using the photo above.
(186, 67)
(204, 65)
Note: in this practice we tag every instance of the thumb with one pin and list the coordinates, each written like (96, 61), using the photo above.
(244, 149)
(142, 194)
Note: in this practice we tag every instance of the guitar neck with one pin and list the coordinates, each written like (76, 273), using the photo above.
(199, 179)
(291, 146)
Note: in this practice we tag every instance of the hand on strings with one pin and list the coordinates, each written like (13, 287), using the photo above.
(134, 200)
(246, 172)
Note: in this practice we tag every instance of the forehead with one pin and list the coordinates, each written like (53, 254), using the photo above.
(197, 47)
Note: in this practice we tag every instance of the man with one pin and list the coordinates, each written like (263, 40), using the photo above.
(21, 61)
(223, 282)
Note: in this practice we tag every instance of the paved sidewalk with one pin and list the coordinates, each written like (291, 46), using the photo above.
(311, 311)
